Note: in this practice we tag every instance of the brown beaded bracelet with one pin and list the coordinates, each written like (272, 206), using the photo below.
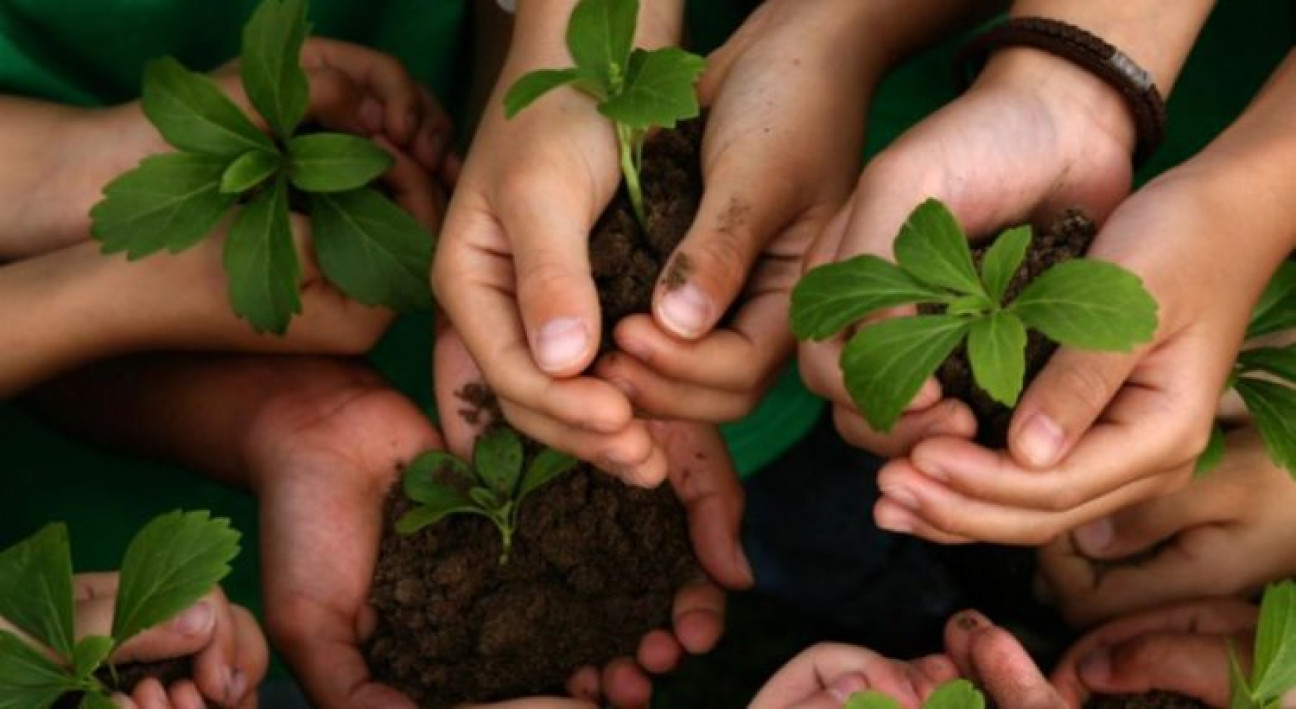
(1090, 52)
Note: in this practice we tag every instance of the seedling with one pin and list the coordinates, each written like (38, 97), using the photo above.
(497, 483)
(171, 563)
(955, 694)
(367, 246)
(1081, 303)
(1265, 377)
(1273, 664)
(637, 89)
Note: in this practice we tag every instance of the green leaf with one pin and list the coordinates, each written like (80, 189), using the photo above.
(997, 351)
(1276, 310)
(546, 466)
(96, 700)
(1239, 689)
(170, 201)
(1278, 361)
(442, 503)
(192, 113)
(372, 249)
(834, 295)
(1214, 453)
(1273, 407)
(933, 248)
(887, 362)
(172, 562)
(272, 74)
(871, 699)
(36, 588)
(249, 170)
(28, 679)
(970, 305)
(334, 162)
(90, 653)
(658, 90)
(1091, 305)
(497, 456)
(1273, 671)
(261, 262)
(420, 478)
(1002, 260)
(955, 694)
(485, 498)
(600, 36)
(532, 86)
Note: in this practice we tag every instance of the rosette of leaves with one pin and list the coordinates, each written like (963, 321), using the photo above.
(171, 563)
(1273, 663)
(955, 694)
(637, 89)
(366, 245)
(494, 486)
(1081, 303)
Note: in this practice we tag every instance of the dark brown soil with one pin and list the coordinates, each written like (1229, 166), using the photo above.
(129, 675)
(1152, 700)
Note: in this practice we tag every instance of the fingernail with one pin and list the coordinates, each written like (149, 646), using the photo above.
(893, 520)
(196, 620)
(902, 496)
(561, 343)
(843, 687)
(686, 311)
(967, 621)
(1040, 441)
(1095, 668)
(371, 115)
(1095, 536)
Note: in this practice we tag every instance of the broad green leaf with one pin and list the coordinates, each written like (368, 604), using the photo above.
(832, 296)
(871, 699)
(532, 86)
(1274, 668)
(1279, 361)
(970, 305)
(1276, 310)
(1214, 453)
(36, 588)
(435, 508)
(932, 247)
(334, 162)
(1091, 305)
(547, 465)
(172, 562)
(249, 170)
(956, 694)
(193, 114)
(600, 36)
(90, 653)
(1239, 688)
(485, 499)
(270, 64)
(1273, 408)
(372, 249)
(261, 265)
(1002, 260)
(887, 362)
(170, 201)
(96, 700)
(997, 351)
(659, 90)
(497, 457)
(28, 679)
(420, 479)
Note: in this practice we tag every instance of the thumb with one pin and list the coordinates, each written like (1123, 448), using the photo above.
(1062, 402)
(1144, 526)
(1185, 663)
(185, 635)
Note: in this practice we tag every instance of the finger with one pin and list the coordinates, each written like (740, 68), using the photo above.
(433, 142)
(149, 694)
(216, 670)
(659, 652)
(1008, 674)
(455, 375)
(630, 454)
(584, 684)
(1191, 664)
(840, 690)
(88, 586)
(184, 695)
(1150, 523)
(381, 74)
(253, 657)
(625, 684)
(894, 517)
(698, 617)
(412, 187)
(124, 702)
(185, 635)
(948, 418)
(656, 396)
(816, 668)
(959, 631)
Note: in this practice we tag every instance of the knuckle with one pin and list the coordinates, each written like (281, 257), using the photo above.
(723, 257)
(1081, 387)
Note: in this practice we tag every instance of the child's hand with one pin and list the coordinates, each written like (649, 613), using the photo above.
(827, 674)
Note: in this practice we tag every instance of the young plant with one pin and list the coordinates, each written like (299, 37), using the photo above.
(497, 483)
(1080, 303)
(955, 694)
(637, 89)
(1273, 665)
(171, 563)
(367, 246)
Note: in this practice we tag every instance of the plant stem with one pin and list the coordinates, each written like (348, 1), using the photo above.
(631, 155)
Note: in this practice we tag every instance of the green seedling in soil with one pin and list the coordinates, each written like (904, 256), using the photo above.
(497, 482)
(1081, 303)
(171, 563)
(1273, 664)
(955, 694)
(366, 245)
(637, 89)
(1265, 377)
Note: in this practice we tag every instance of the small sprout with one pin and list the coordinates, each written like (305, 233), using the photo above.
(1273, 666)
(498, 481)
(955, 694)
(171, 563)
(1081, 303)
(367, 246)
(637, 89)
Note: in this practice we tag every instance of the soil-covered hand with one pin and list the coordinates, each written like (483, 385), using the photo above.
(1227, 534)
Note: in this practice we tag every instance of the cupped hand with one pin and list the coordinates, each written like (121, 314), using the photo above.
(826, 675)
